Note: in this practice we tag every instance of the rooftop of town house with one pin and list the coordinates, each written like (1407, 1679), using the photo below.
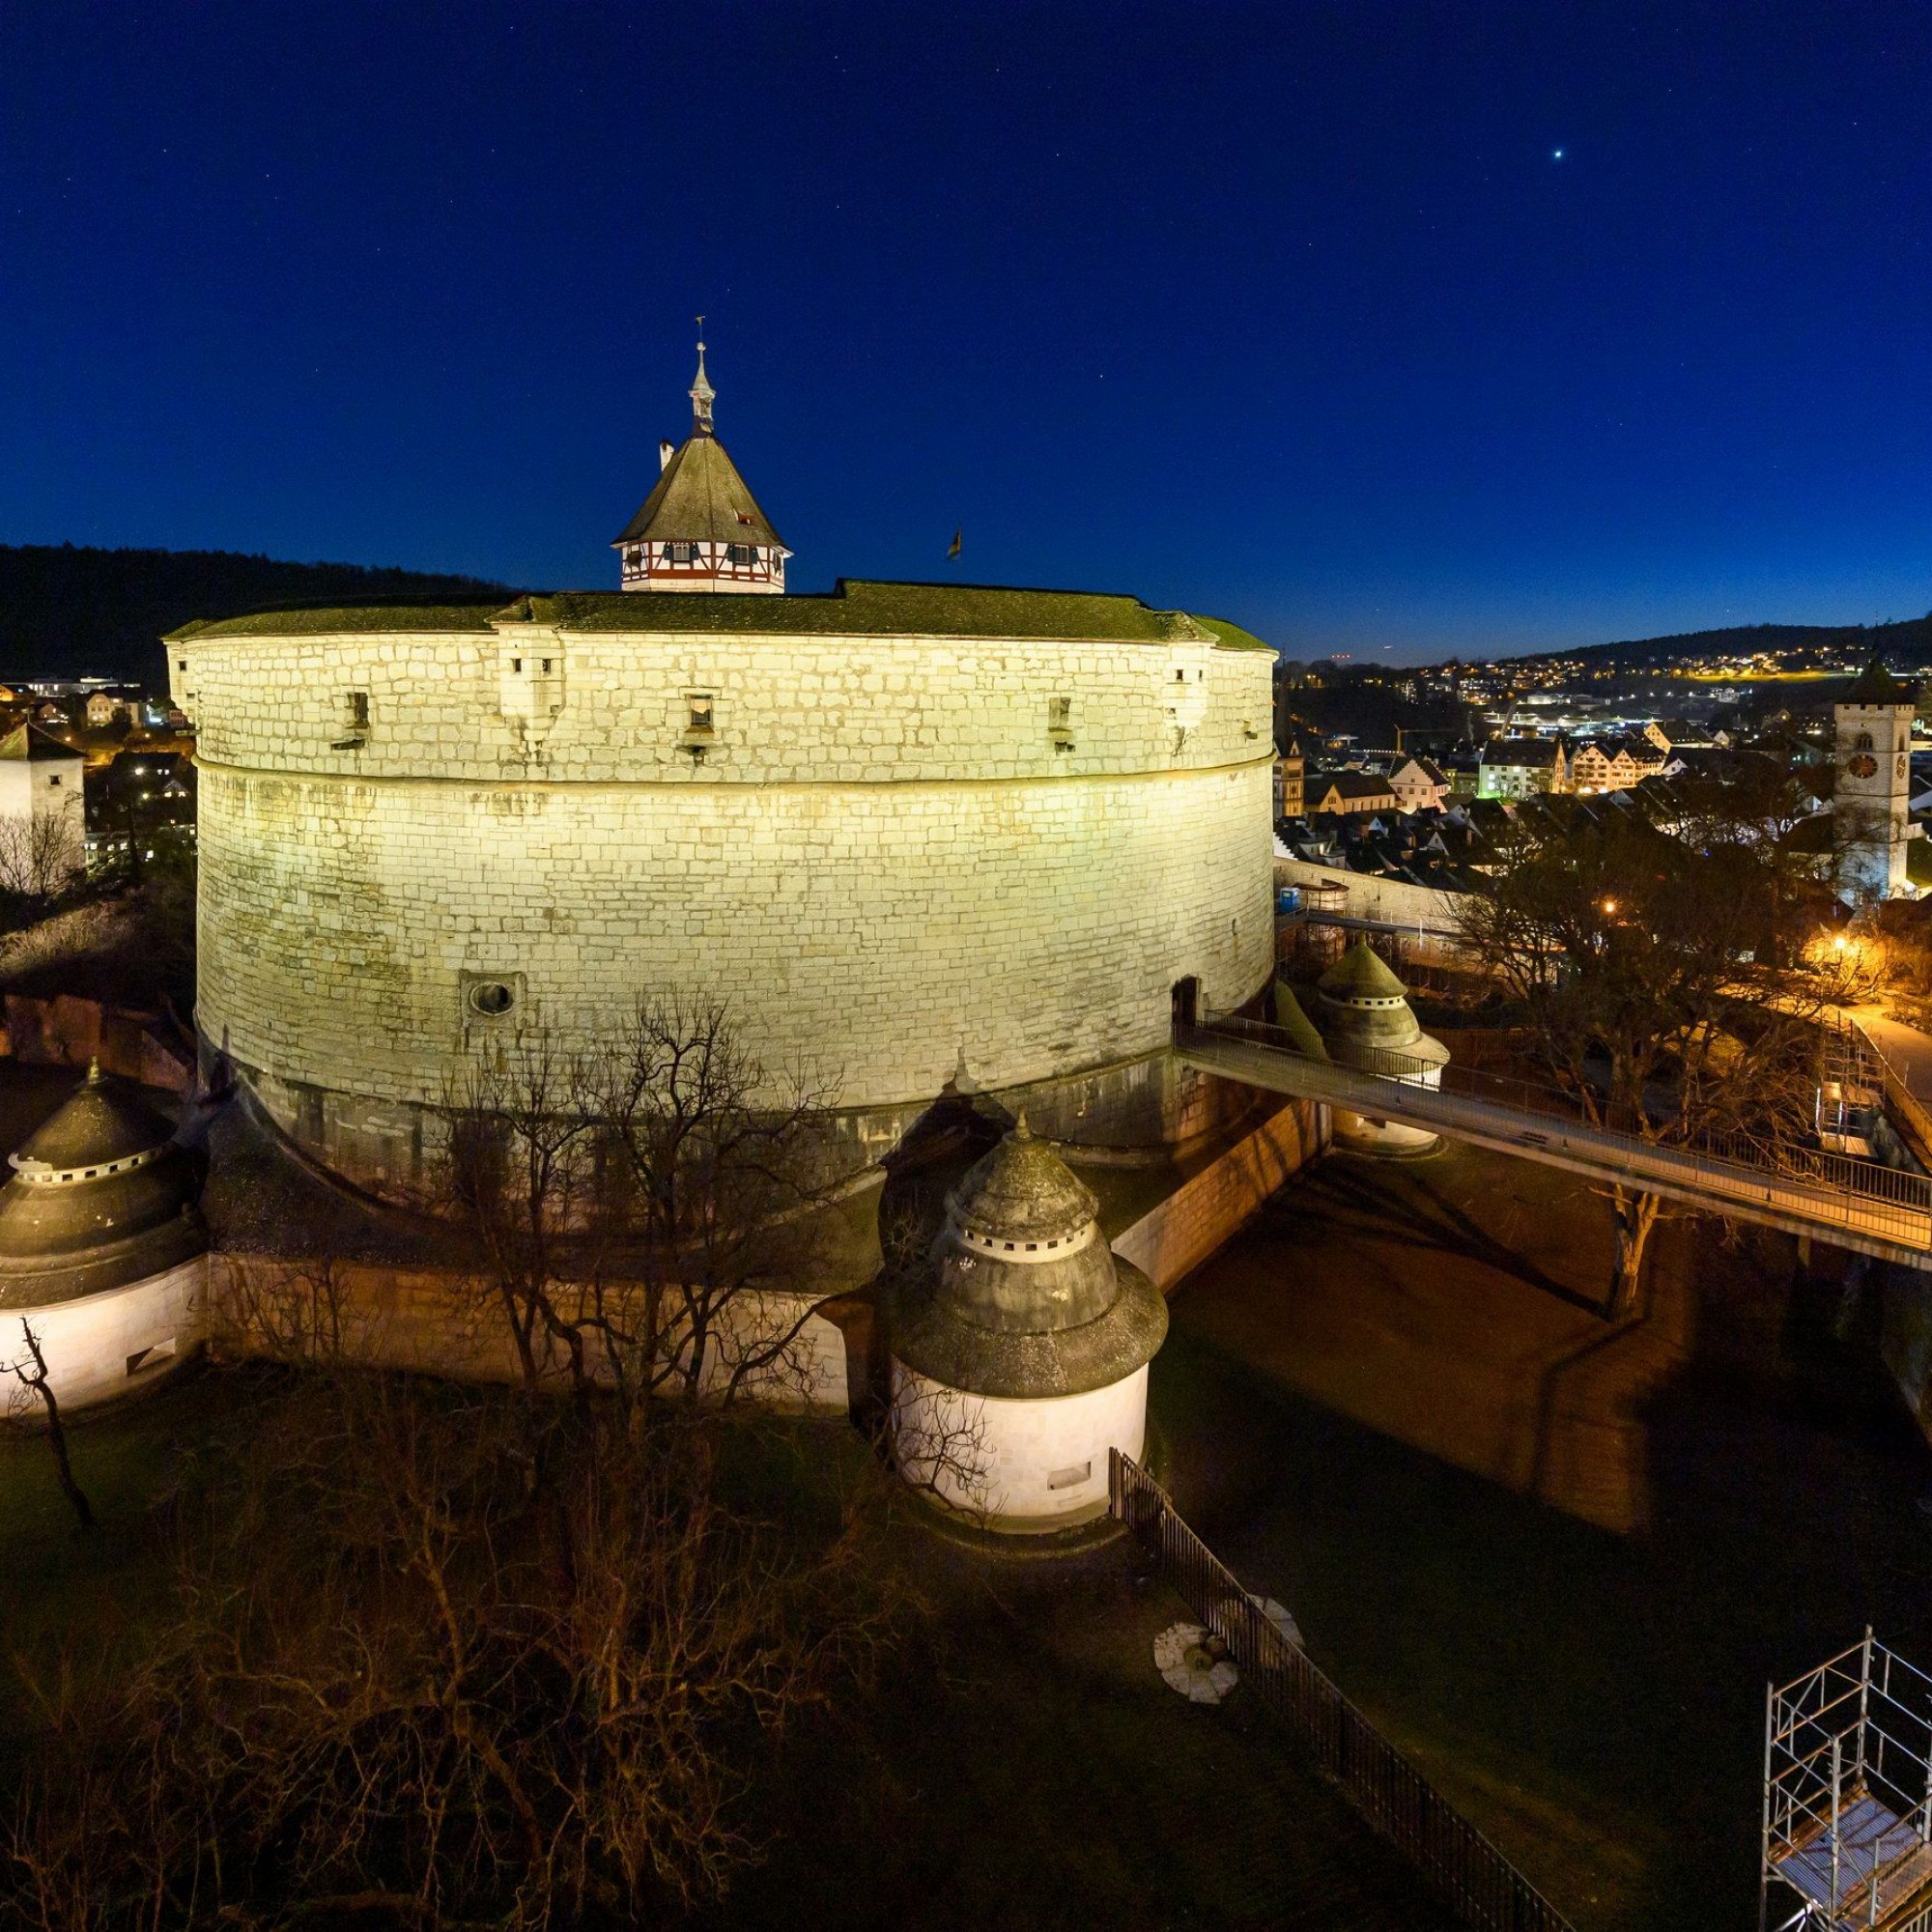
(854, 607)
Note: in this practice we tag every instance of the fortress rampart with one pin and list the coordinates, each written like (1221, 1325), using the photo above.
(908, 832)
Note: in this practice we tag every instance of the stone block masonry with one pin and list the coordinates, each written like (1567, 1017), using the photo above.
(898, 858)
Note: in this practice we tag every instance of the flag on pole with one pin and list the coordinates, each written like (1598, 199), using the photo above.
(953, 549)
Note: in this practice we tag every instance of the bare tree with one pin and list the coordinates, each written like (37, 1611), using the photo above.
(1639, 961)
(647, 1214)
(40, 853)
(402, 1688)
(38, 1385)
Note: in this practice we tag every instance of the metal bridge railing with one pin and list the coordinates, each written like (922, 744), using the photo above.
(1866, 1182)
(1467, 1872)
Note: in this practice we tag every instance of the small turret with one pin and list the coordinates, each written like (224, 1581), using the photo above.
(700, 528)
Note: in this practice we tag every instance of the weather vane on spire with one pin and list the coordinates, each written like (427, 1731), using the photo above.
(702, 394)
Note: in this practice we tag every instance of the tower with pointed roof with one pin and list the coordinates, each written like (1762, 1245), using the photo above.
(103, 1249)
(1020, 1350)
(1364, 1019)
(1871, 819)
(701, 529)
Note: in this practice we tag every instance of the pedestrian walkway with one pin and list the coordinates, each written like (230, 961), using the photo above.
(1855, 1204)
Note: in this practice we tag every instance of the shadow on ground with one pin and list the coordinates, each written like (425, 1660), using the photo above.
(1557, 1562)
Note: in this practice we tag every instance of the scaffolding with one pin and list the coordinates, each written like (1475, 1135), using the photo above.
(1848, 1797)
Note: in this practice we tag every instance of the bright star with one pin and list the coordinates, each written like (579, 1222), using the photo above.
(1558, 156)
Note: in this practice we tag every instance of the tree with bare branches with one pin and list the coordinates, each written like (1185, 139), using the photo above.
(405, 1687)
(1639, 960)
(37, 1385)
(646, 1215)
(40, 853)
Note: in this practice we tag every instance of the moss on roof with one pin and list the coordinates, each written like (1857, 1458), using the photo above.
(854, 607)
(302, 620)
(1233, 636)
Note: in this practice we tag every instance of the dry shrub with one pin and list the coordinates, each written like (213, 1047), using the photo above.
(447, 1656)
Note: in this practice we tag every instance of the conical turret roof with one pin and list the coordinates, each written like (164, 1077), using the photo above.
(701, 498)
(1361, 1003)
(1023, 1298)
(1023, 1191)
(105, 1120)
(102, 1195)
(1360, 974)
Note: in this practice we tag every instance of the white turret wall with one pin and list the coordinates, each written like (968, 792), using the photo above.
(1019, 1466)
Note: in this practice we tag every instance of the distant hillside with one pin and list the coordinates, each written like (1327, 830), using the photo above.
(1907, 643)
(68, 611)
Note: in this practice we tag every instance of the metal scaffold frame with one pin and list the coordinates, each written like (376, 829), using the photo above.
(1848, 1795)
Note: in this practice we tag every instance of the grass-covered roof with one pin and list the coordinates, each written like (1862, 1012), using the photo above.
(855, 607)
(316, 620)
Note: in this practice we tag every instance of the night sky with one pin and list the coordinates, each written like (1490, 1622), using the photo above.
(1397, 330)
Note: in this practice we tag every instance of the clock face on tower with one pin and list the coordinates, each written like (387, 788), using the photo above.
(1863, 766)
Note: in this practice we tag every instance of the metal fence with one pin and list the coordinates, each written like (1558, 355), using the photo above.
(1472, 1878)
(1769, 1152)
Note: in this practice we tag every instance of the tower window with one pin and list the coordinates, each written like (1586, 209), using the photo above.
(1865, 741)
(351, 719)
(743, 553)
(698, 711)
(680, 552)
(1060, 723)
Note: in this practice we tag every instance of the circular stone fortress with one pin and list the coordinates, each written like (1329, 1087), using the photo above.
(914, 834)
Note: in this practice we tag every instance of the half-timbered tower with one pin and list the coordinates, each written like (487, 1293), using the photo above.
(700, 528)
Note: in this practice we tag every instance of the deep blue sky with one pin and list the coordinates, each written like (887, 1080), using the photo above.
(1289, 313)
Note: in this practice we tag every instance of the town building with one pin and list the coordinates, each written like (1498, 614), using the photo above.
(1418, 784)
(42, 809)
(1348, 790)
(1871, 819)
(1520, 767)
(1291, 770)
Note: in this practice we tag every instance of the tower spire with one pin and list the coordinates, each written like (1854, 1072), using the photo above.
(702, 394)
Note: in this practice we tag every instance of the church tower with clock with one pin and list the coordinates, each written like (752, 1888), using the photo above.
(1871, 820)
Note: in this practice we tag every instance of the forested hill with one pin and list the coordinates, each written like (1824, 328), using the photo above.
(1907, 641)
(66, 611)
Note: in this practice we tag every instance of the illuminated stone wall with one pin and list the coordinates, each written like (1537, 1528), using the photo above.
(896, 855)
